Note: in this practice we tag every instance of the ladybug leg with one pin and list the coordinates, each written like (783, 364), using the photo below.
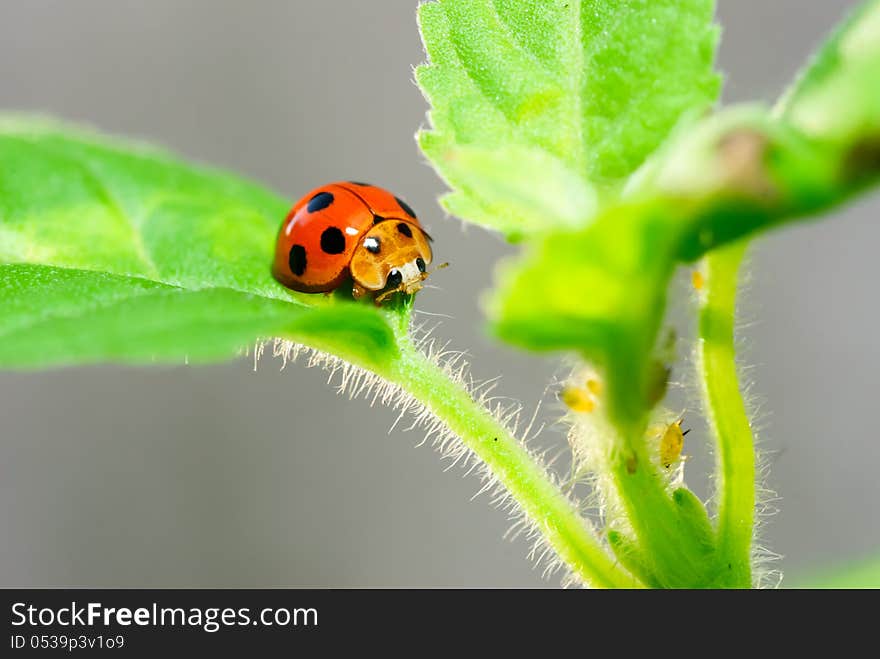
(384, 295)
(358, 291)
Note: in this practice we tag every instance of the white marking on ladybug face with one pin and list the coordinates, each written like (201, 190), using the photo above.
(351, 231)
(412, 277)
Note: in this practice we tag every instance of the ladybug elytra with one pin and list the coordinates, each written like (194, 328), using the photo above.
(355, 230)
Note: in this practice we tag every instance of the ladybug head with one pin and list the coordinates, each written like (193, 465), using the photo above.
(392, 257)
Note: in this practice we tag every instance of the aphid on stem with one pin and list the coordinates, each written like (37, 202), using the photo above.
(672, 443)
(582, 398)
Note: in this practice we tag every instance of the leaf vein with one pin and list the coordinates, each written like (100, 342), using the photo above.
(108, 200)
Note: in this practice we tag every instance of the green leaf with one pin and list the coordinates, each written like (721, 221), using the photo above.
(562, 79)
(530, 189)
(66, 316)
(631, 556)
(693, 517)
(838, 95)
(117, 251)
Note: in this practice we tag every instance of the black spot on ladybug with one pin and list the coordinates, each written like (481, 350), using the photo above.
(377, 219)
(372, 245)
(332, 241)
(406, 208)
(363, 185)
(320, 201)
(297, 260)
(404, 229)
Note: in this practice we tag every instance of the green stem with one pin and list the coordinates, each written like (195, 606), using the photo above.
(553, 514)
(672, 531)
(726, 413)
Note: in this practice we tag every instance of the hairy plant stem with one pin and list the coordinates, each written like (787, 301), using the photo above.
(551, 512)
(726, 413)
(671, 530)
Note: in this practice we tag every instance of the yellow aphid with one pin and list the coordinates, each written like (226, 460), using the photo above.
(577, 399)
(594, 386)
(671, 443)
(698, 280)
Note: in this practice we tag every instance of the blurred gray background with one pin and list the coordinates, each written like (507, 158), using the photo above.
(220, 476)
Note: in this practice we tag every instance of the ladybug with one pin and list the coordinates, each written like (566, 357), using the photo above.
(352, 230)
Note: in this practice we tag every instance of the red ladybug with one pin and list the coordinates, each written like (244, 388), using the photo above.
(356, 230)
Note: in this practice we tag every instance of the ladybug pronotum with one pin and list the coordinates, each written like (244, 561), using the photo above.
(352, 230)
